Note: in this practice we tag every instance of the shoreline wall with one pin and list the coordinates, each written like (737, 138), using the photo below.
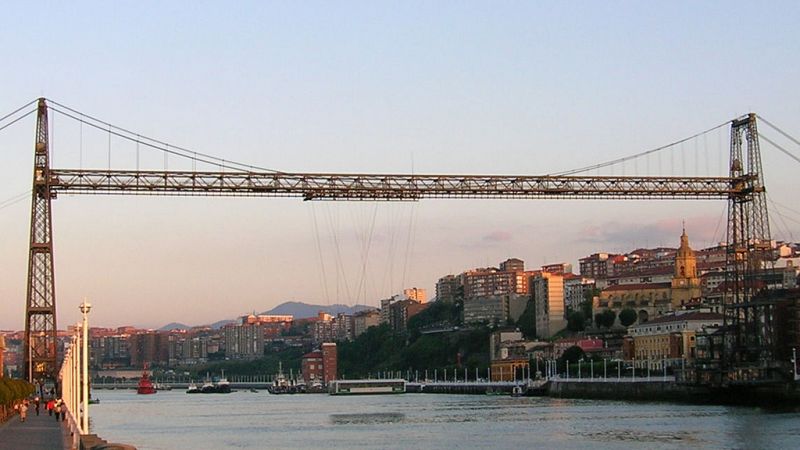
(768, 395)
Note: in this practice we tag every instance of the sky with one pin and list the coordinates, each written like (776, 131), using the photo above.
(472, 87)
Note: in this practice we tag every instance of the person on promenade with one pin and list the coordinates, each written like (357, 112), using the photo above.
(51, 404)
(57, 408)
(63, 410)
(37, 401)
(23, 411)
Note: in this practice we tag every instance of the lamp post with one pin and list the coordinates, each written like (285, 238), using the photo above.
(85, 307)
(76, 362)
(30, 358)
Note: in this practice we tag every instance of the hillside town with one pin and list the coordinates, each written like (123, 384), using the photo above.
(661, 307)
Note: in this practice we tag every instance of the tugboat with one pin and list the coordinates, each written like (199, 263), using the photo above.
(280, 385)
(208, 386)
(145, 385)
(193, 389)
(223, 385)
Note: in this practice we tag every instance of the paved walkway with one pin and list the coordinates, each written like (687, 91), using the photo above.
(37, 432)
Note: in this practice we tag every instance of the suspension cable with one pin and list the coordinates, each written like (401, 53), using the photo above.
(111, 131)
(638, 155)
(775, 127)
(17, 110)
(17, 119)
(160, 143)
(786, 152)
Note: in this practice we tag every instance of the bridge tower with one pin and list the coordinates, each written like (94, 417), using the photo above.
(748, 312)
(40, 311)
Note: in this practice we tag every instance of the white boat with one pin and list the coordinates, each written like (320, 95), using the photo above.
(193, 389)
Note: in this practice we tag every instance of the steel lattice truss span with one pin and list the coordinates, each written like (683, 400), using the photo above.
(325, 186)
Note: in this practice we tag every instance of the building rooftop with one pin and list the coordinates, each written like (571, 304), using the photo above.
(638, 286)
(682, 317)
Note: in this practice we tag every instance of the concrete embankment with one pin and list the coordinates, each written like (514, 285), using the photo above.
(643, 390)
(625, 390)
(476, 388)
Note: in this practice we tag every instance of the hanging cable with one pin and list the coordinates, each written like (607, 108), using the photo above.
(18, 110)
(638, 155)
(319, 252)
(17, 119)
(774, 210)
(157, 143)
(785, 134)
(786, 152)
(15, 199)
(80, 147)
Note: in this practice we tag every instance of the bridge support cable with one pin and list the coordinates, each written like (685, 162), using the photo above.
(156, 144)
(640, 154)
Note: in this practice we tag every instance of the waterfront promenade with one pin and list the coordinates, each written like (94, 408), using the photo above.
(37, 432)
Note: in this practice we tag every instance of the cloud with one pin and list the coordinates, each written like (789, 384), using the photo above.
(498, 236)
(702, 231)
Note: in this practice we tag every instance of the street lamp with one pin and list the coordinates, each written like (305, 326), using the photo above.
(85, 307)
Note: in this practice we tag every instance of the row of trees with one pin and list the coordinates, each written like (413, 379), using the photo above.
(579, 320)
(11, 392)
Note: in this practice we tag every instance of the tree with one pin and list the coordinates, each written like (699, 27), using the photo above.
(527, 321)
(605, 318)
(573, 354)
(576, 321)
(627, 317)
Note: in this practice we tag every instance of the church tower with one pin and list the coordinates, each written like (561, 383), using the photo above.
(685, 282)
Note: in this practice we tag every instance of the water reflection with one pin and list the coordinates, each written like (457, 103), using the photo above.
(643, 436)
(372, 418)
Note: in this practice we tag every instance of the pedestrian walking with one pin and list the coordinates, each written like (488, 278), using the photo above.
(37, 401)
(23, 412)
(57, 409)
(51, 404)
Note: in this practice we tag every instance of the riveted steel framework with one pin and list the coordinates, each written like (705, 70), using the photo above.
(40, 312)
(749, 315)
(326, 186)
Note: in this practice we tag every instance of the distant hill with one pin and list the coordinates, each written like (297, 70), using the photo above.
(221, 323)
(302, 310)
(299, 310)
(174, 326)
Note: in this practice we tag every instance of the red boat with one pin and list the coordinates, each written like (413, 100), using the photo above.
(145, 385)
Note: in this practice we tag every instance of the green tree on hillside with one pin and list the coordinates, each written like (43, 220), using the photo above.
(576, 321)
(627, 317)
(605, 319)
(527, 321)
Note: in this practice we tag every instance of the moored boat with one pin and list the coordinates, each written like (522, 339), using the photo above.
(145, 385)
(192, 389)
(223, 386)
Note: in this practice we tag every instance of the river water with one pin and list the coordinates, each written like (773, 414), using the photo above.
(174, 420)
